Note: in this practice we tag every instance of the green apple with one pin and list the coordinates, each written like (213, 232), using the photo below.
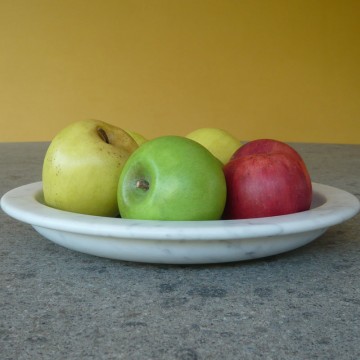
(137, 137)
(172, 178)
(82, 167)
(219, 142)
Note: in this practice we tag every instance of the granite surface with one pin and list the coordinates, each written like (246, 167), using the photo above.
(60, 304)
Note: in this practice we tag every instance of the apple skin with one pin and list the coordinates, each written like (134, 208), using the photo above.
(265, 146)
(218, 141)
(139, 139)
(183, 181)
(263, 185)
(82, 167)
(271, 146)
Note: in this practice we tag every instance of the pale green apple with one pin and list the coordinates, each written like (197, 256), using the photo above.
(82, 167)
(172, 178)
(140, 139)
(219, 142)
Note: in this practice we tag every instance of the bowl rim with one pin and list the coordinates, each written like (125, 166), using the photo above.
(330, 206)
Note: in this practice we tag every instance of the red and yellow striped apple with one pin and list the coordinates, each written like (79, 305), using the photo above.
(266, 184)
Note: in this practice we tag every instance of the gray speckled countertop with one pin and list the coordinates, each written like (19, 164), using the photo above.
(59, 304)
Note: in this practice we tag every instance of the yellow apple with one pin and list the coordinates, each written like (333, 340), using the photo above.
(82, 167)
(219, 142)
(137, 137)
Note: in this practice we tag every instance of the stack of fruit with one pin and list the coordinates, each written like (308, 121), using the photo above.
(94, 168)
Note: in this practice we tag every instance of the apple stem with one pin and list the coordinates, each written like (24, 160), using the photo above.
(102, 133)
(142, 184)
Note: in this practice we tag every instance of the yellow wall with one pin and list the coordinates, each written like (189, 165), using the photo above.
(286, 69)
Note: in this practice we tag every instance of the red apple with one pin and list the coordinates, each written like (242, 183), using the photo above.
(262, 185)
(265, 146)
(271, 146)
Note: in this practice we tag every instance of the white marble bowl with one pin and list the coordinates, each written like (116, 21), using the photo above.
(181, 242)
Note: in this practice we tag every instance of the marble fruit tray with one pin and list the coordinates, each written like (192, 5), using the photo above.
(181, 242)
